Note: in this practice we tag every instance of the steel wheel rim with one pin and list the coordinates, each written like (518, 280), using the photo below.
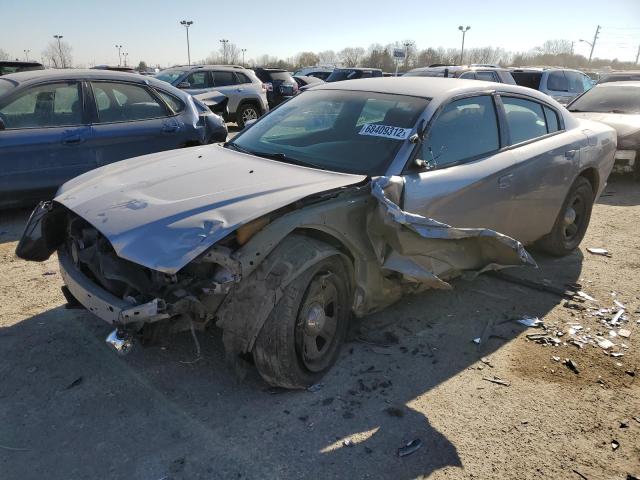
(249, 114)
(573, 218)
(317, 324)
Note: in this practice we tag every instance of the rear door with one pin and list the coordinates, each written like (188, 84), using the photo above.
(131, 121)
(46, 141)
(226, 83)
(469, 180)
(545, 158)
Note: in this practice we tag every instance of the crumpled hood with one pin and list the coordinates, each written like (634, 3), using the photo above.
(165, 209)
(624, 124)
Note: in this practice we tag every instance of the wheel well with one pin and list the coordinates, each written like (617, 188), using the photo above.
(591, 174)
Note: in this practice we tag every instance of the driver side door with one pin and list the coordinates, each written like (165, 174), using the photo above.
(468, 181)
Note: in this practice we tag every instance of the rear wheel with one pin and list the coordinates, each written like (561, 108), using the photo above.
(246, 112)
(301, 339)
(573, 220)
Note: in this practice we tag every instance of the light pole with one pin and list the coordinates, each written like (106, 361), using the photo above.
(119, 47)
(26, 54)
(186, 24)
(244, 50)
(592, 44)
(464, 32)
(59, 37)
(406, 54)
(224, 43)
(125, 55)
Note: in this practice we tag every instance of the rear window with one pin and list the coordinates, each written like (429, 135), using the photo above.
(344, 74)
(283, 76)
(242, 78)
(5, 86)
(170, 76)
(557, 82)
(527, 79)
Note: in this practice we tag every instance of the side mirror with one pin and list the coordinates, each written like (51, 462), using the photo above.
(184, 85)
(3, 126)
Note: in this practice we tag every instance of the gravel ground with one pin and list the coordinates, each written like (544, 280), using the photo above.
(71, 409)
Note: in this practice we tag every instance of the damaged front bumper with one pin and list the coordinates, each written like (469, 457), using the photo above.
(103, 304)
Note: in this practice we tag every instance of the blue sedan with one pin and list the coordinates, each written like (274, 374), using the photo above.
(58, 124)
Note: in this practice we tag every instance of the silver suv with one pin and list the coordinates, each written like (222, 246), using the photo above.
(246, 93)
(560, 84)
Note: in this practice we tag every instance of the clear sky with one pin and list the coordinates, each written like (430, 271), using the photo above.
(150, 30)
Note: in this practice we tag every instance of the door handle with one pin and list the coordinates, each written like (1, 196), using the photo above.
(505, 182)
(570, 154)
(76, 139)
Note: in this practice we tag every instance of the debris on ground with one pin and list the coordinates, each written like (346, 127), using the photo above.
(606, 344)
(615, 444)
(486, 361)
(571, 365)
(75, 383)
(347, 442)
(599, 251)
(409, 448)
(532, 322)
(497, 380)
(48, 273)
(315, 387)
(477, 340)
(624, 333)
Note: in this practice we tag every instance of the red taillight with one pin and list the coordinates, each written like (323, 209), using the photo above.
(268, 87)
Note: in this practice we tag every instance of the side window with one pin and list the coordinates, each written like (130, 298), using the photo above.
(223, 79)
(587, 84)
(553, 125)
(487, 76)
(465, 129)
(173, 102)
(52, 105)
(574, 79)
(366, 74)
(468, 75)
(123, 102)
(199, 80)
(524, 118)
(557, 82)
(242, 78)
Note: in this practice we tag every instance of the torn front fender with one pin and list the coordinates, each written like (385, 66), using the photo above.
(43, 233)
(427, 251)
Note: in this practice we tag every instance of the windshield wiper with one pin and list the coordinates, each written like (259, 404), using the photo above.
(237, 147)
(282, 157)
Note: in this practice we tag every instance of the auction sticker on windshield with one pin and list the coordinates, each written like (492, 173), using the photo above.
(386, 131)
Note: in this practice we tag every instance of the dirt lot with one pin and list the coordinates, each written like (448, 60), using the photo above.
(71, 409)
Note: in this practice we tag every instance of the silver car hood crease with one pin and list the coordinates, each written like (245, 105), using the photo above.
(163, 210)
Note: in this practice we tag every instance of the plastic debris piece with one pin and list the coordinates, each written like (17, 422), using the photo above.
(497, 380)
(599, 251)
(606, 344)
(555, 359)
(486, 361)
(616, 354)
(612, 333)
(624, 424)
(315, 387)
(75, 383)
(530, 322)
(412, 447)
(616, 318)
(571, 365)
(347, 442)
(615, 444)
(586, 296)
(624, 333)
(619, 304)
(477, 340)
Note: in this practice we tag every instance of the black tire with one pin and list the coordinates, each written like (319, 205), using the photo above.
(280, 352)
(245, 112)
(566, 236)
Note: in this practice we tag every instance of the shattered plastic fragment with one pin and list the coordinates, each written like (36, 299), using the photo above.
(477, 340)
(586, 296)
(315, 387)
(411, 447)
(624, 333)
(606, 344)
(599, 251)
(530, 322)
(615, 444)
(616, 318)
(571, 365)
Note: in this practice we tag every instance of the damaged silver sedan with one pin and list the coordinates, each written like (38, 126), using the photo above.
(334, 204)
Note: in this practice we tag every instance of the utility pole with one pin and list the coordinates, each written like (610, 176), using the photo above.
(119, 47)
(125, 55)
(59, 37)
(26, 54)
(186, 24)
(464, 32)
(638, 55)
(244, 50)
(406, 55)
(593, 45)
(224, 43)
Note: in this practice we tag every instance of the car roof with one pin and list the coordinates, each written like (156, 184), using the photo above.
(357, 68)
(458, 68)
(36, 76)
(542, 69)
(436, 88)
(626, 83)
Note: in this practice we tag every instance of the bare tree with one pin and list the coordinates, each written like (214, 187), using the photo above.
(350, 56)
(228, 53)
(306, 59)
(327, 57)
(554, 47)
(58, 55)
(3, 55)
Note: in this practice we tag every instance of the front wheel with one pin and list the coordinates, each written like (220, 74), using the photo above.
(301, 339)
(573, 220)
(246, 112)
